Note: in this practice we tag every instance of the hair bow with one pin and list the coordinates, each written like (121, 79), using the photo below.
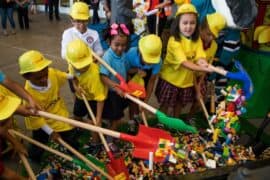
(115, 27)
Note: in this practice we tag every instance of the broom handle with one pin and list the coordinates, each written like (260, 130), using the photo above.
(104, 63)
(88, 107)
(27, 166)
(83, 158)
(141, 103)
(212, 102)
(144, 117)
(206, 113)
(218, 70)
(80, 124)
(197, 89)
(13, 132)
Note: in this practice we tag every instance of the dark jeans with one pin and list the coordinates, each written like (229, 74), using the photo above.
(7, 13)
(55, 4)
(23, 17)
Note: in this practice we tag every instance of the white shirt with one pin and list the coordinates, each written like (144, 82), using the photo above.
(90, 37)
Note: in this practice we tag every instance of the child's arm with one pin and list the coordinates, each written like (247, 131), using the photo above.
(14, 87)
(100, 105)
(195, 67)
(150, 87)
(113, 85)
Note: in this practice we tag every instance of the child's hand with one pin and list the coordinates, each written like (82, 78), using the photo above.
(119, 91)
(26, 110)
(141, 73)
(34, 105)
(55, 136)
(202, 63)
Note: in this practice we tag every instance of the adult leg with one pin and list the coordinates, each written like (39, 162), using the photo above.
(10, 17)
(26, 18)
(20, 17)
(51, 10)
(56, 9)
(3, 12)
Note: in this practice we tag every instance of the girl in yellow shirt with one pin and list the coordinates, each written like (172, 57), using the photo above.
(185, 55)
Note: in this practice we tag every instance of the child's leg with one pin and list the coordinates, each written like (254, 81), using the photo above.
(35, 153)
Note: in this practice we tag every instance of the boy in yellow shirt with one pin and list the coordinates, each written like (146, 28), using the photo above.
(79, 56)
(43, 84)
(10, 104)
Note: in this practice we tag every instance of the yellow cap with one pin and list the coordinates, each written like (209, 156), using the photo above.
(179, 2)
(79, 54)
(150, 47)
(80, 11)
(216, 23)
(186, 8)
(32, 61)
(258, 30)
(8, 106)
(264, 36)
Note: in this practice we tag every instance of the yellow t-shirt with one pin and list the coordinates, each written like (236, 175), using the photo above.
(178, 52)
(91, 83)
(50, 101)
(211, 52)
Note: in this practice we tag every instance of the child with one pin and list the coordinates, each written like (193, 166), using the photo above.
(210, 27)
(44, 84)
(8, 106)
(23, 13)
(115, 103)
(79, 17)
(146, 61)
(79, 56)
(184, 55)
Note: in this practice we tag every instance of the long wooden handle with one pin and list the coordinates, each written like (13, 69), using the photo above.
(104, 63)
(83, 158)
(88, 107)
(27, 167)
(206, 114)
(144, 117)
(141, 103)
(213, 98)
(79, 124)
(218, 70)
(13, 132)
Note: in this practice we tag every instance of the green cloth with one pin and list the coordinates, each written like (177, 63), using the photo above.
(257, 65)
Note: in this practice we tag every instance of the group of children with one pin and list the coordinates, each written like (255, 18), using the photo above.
(191, 47)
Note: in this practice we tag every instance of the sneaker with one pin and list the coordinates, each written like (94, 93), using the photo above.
(5, 32)
(13, 31)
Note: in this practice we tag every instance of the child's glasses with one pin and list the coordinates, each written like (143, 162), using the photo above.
(115, 27)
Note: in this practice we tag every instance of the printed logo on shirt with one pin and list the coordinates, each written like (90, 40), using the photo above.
(89, 39)
(190, 55)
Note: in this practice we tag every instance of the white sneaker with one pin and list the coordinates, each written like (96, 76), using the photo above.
(5, 32)
(13, 31)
